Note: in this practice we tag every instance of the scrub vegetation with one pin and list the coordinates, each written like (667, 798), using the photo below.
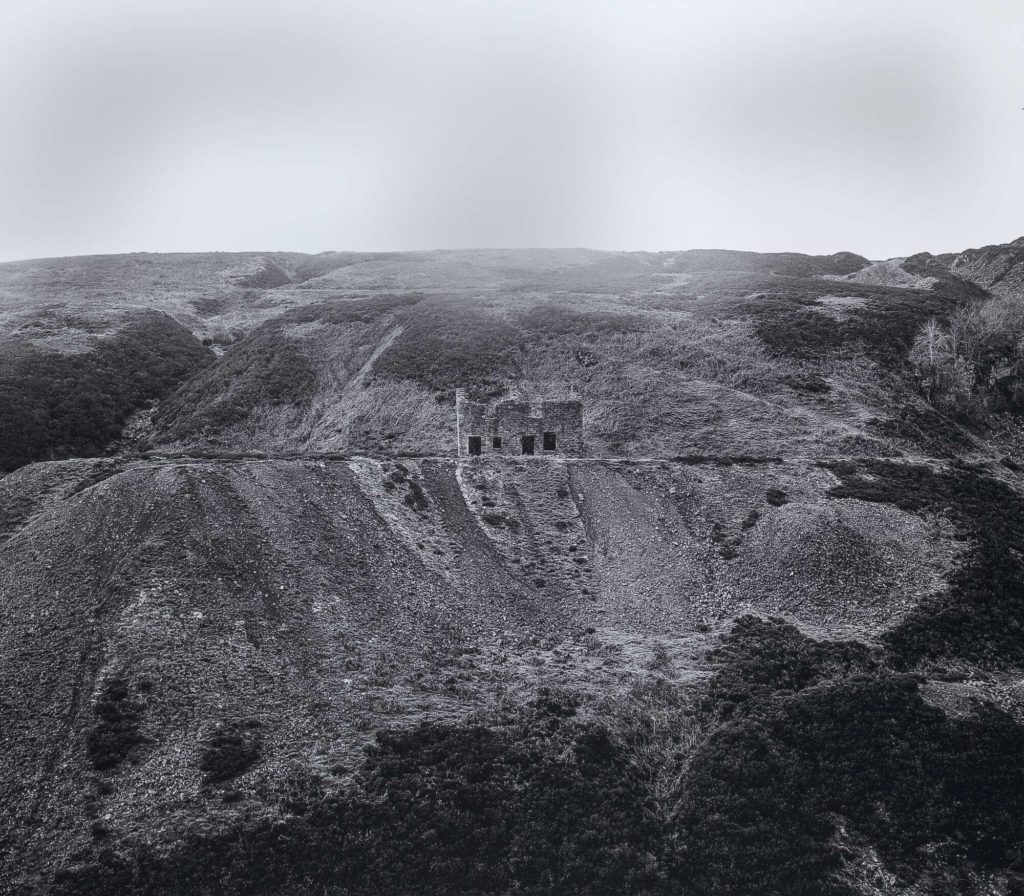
(764, 636)
(55, 405)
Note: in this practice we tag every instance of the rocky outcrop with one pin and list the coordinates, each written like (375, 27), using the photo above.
(999, 269)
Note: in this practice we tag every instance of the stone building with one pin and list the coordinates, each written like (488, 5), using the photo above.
(519, 427)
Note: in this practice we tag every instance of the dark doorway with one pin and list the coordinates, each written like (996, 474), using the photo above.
(528, 443)
(496, 442)
(549, 441)
(475, 446)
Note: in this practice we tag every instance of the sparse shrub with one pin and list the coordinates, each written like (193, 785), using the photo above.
(416, 498)
(555, 703)
(497, 518)
(776, 497)
(230, 749)
(808, 382)
(116, 732)
(660, 660)
(954, 362)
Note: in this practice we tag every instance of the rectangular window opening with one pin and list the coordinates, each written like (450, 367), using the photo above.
(549, 441)
(528, 444)
(496, 442)
(475, 446)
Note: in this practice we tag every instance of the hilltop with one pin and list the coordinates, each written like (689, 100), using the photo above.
(262, 632)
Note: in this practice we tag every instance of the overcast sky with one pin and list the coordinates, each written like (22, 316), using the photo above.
(883, 128)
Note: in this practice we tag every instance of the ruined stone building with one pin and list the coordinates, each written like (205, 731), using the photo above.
(519, 427)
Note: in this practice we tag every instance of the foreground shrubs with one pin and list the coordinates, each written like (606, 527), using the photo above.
(765, 658)
(538, 805)
(972, 360)
(766, 792)
(801, 753)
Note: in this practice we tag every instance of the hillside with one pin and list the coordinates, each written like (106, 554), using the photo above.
(262, 632)
(999, 269)
(353, 353)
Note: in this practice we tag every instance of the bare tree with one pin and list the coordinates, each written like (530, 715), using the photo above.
(932, 356)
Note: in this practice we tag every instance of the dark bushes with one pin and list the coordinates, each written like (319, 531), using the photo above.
(800, 738)
(444, 346)
(761, 801)
(540, 805)
(268, 367)
(554, 320)
(792, 264)
(230, 749)
(116, 732)
(725, 460)
(980, 617)
(883, 330)
(264, 368)
(55, 406)
(269, 276)
(764, 658)
(808, 735)
(938, 435)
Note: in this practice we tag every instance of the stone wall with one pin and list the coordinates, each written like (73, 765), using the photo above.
(510, 421)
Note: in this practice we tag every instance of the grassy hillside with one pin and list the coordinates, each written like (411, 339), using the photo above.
(363, 353)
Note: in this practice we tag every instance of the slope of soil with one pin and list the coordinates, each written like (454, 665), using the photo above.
(316, 600)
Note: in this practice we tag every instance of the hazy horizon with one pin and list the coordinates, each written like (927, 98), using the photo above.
(343, 249)
(784, 126)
